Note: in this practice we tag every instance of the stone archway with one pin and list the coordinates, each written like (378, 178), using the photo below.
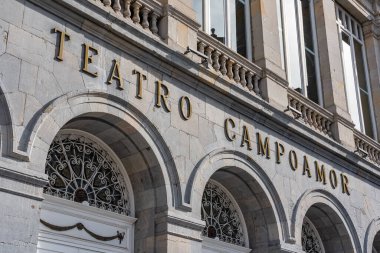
(133, 139)
(372, 237)
(5, 125)
(330, 222)
(251, 189)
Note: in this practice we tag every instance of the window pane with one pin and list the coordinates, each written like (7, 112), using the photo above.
(366, 114)
(217, 11)
(307, 28)
(240, 28)
(198, 7)
(349, 78)
(360, 66)
(312, 89)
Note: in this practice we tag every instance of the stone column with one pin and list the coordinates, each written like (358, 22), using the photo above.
(332, 75)
(268, 51)
(372, 44)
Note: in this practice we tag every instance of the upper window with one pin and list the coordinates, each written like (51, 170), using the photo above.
(312, 85)
(302, 49)
(358, 91)
(228, 21)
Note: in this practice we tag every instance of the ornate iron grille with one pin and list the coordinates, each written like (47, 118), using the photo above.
(311, 242)
(221, 216)
(81, 171)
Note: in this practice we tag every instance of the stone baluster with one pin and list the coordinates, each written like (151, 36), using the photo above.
(323, 123)
(153, 22)
(209, 55)
(243, 81)
(127, 9)
(256, 84)
(236, 72)
(249, 81)
(215, 60)
(116, 6)
(201, 47)
(328, 126)
(223, 67)
(308, 117)
(136, 12)
(145, 12)
(230, 73)
(107, 3)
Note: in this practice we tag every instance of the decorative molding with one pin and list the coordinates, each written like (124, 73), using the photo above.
(80, 226)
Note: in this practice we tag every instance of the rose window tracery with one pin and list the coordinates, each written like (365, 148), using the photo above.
(81, 171)
(311, 242)
(221, 216)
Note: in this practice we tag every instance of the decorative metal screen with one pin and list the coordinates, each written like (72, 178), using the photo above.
(311, 242)
(221, 216)
(81, 171)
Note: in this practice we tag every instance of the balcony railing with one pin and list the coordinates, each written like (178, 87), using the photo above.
(228, 63)
(367, 147)
(310, 113)
(146, 13)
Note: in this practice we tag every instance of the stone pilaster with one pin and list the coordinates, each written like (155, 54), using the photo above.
(332, 75)
(178, 27)
(372, 43)
(268, 50)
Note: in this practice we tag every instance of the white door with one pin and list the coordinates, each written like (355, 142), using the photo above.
(70, 227)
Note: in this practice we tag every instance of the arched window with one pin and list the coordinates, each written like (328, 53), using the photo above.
(224, 221)
(87, 203)
(311, 241)
(228, 21)
(81, 171)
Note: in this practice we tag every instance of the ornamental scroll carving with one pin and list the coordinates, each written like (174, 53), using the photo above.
(221, 216)
(81, 171)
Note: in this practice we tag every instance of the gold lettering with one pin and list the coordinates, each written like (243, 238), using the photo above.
(140, 78)
(345, 184)
(115, 74)
(88, 59)
(245, 138)
(189, 108)
(320, 173)
(306, 167)
(162, 97)
(263, 148)
(279, 152)
(62, 36)
(293, 161)
(228, 122)
(333, 179)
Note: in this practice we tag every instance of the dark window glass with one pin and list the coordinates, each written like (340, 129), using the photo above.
(366, 113)
(240, 28)
(307, 28)
(312, 90)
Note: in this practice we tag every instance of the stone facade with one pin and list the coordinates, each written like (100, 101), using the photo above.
(175, 122)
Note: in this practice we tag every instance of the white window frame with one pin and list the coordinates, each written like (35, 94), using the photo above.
(356, 34)
(207, 23)
(303, 49)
